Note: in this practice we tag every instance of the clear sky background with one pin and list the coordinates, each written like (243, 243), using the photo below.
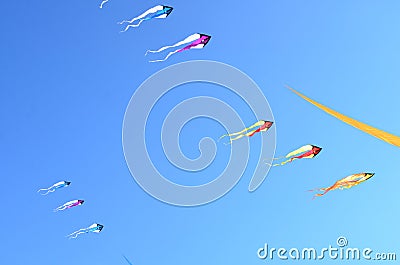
(67, 75)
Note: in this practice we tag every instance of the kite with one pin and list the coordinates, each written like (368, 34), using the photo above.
(307, 151)
(346, 183)
(154, 12)
(69, 204)
(262, 125)
(55, 187)
(382, 135)
(94, 228)
(127, 260)
(102, 3)
(198, 41)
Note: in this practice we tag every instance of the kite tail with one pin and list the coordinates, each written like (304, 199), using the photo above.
(191, 38)
(325, 190)
(230, 142)
(126, 21)
(272, 165)
(288, 161)
(162, 60)
(319, 194)
(132, 25)
(75, 234)
(47, 191)
(58, 209)
(233, 134)
(238, 137)
(275, 158)
(160, 50)
(102, 3)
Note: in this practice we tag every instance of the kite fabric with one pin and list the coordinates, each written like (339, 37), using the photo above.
(54, 187)
(69, 205)
(382, 135)
(197, 41)
(306, 151)
(345, 183)
(159, 11)
(262, 125)
(94, 228)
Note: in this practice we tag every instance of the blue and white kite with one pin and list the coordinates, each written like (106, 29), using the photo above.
(94, 228)
(55, 187)
(159, 11)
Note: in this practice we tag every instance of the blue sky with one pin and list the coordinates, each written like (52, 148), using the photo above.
(68, 75)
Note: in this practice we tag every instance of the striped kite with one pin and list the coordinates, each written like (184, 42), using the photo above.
(346, 183)
(197, 41)
(307, 151)
(262, 125)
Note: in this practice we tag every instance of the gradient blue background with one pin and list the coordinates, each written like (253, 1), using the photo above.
(67, 75)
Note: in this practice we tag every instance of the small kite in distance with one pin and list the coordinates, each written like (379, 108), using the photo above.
(154, 12)
(262, 125)
(94, 228)
(197, 41)
(307, 151)
(346, 183)
(69, 205)
(55, 187)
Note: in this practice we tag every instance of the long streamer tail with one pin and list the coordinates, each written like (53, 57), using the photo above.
(162, 60)
(191, 38)
(75, 234)
(102, 3)
(132, 25)
(47, 191)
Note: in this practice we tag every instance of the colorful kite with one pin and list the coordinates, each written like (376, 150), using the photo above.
(262, 125)
(384, 136)
(102, 3)
(69, 204)
(55, 187)
(345, 183)
(198, 41)
(307, 151)
(94, 228)
(154, 12)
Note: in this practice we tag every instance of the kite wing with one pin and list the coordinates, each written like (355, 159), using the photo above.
(382, 135)
(300, 150)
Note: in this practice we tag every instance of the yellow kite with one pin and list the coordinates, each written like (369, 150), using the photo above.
(384, 136)
(346, 183)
